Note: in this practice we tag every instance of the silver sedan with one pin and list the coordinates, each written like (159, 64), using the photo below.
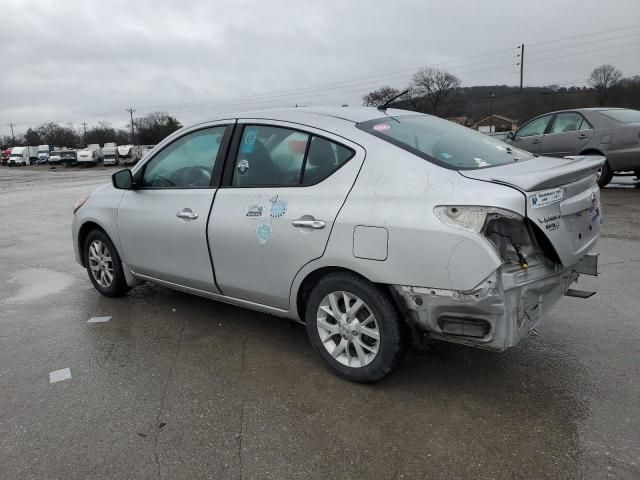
(376, 228)
(610, 132)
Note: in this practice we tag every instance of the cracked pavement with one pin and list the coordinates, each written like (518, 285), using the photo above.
(175, 386)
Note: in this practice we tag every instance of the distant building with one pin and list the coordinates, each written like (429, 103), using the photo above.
(496, 123)
(464, 120)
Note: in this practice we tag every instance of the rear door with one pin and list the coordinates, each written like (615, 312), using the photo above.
(163, 222)
(529, 136)
(284, 185)
(567, 135)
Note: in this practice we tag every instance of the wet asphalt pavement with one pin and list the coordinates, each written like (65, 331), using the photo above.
(175, 386)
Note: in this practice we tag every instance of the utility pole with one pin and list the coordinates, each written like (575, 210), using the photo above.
(12, 135)
(84, 124)
(521, 63)
(133, 135)
(491, 97)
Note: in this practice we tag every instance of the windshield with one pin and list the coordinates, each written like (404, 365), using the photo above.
(623, 115)
(443, 142)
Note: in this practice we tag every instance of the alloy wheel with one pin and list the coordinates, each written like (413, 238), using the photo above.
(100, 263)
(348, 329)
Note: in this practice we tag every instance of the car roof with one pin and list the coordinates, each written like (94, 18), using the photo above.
(319, 116)
(585, 109)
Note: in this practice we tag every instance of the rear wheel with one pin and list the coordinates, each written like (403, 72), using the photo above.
(604, 175)
(103, 265)
(355, 328)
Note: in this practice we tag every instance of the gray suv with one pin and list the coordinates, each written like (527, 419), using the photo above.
(610, 132)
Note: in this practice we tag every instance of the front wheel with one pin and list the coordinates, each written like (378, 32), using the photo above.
(355, 328)
(103, 265)
(604, 175)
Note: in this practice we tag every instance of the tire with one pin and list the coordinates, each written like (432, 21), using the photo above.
(605, 175)
(364, 359)
(99, 270)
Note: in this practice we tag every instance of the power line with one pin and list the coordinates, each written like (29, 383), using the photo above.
(592, 34)
(600, 40)
(585, 53)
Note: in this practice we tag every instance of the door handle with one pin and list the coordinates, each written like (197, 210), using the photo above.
(187, 214)
(315, 224)
(582, 135)
(535, 142)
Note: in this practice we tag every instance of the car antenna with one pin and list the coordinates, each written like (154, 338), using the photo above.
(385, 105)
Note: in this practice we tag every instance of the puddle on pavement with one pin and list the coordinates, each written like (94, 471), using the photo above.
(35, 283)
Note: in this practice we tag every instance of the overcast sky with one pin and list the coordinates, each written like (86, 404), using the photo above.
(74, 61)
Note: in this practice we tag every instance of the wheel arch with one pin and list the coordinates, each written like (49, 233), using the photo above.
(312, 278)
(592, 151)
(84, 230)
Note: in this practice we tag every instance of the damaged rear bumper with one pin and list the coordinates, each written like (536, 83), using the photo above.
(498, 313)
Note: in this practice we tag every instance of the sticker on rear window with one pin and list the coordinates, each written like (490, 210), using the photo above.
(249, 140)
(381, 127)
(545, 198)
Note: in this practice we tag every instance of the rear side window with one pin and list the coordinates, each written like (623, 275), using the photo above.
(324, 157)
(569, 122)
(444, 143)
(277, 156)
(623, 115)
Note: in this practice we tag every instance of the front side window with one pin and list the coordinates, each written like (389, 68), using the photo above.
(569, 122)
(444, 143)
(277, 156)
(188, 162)
(534, 127)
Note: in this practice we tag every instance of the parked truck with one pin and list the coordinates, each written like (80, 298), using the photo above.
(4, 156)
(43, 153)
(110, 154)
(130, 154)
(19, 157)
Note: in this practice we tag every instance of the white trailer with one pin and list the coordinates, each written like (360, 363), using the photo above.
(96, 147)
(88, 157)
(130, 154)
(33, 153)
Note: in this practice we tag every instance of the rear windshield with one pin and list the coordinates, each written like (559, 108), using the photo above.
(443, 142)
(623, 115)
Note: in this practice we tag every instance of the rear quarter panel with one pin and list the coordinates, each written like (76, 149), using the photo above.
(397, 191)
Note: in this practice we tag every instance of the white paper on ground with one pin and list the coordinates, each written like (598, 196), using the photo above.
(98, 319)
(60, 375)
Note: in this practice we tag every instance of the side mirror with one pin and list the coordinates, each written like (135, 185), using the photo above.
(123, 180)
(511, 135)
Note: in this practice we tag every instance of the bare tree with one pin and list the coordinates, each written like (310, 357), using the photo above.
(434, 84)
(603, 79)
(379, 96)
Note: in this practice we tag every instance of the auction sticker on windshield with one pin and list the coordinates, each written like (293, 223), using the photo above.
(545, 198)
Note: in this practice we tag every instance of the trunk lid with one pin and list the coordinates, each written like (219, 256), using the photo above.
(562, 200)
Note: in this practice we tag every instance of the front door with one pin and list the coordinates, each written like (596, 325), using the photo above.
(568, 135)
(529, 137)
(283, 189)
(163, 222)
